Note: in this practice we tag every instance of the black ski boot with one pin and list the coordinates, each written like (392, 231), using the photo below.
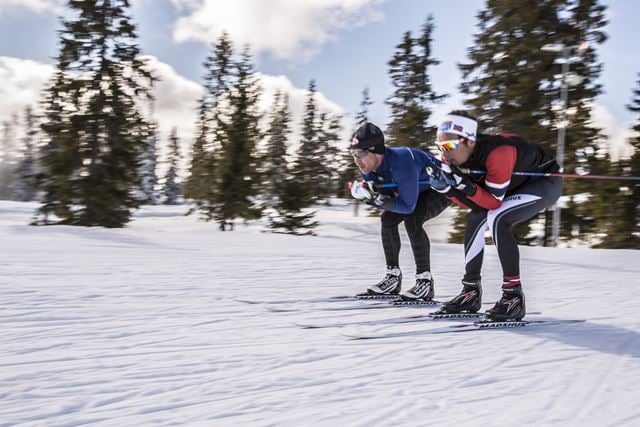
(423, 289)
(468, 301)
(390, 285)
(510, 307)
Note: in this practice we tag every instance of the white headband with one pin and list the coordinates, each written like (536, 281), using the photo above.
(459, 125)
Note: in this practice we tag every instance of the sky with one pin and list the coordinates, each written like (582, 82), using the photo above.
(343, 44)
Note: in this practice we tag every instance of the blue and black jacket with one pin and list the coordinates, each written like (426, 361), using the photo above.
(406, 168)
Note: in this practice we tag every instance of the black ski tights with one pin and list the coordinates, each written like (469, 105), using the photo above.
(429, 205)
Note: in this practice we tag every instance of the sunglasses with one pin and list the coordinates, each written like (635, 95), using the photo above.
(359, 154)
(448, 145)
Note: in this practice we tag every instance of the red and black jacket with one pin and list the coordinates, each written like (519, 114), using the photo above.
(500, 155)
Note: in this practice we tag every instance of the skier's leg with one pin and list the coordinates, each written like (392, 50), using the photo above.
(429, 204)
(474, 245)
(392, 281)
(390, 237)
(520, 206)
(470, 298)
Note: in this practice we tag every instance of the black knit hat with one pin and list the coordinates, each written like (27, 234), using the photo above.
(368, 137)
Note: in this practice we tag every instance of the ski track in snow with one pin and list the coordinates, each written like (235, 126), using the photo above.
(137, 326)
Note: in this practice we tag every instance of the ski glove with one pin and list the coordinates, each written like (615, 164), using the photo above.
(437, 180)
(459, 180)
(446, 177)
(363, 190)
(368, 192)
(384, 201)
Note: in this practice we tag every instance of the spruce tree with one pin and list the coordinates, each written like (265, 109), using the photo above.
(363, 114)
(204, 177)
(289, 216)
(346, 169)
(511, 83)
(92, 155)
(308, 159)
(8, 145)
(195, 185)
(623, 200)
(148, 162)
(328, 135)
(585, 145)
(171, 186)
(239, 134)
(413, 95)
(25, 189)
(275, 156)
(59, 156)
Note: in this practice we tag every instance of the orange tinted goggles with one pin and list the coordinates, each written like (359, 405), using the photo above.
(448, 145)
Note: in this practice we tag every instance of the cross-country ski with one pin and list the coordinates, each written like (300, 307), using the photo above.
(475, 326)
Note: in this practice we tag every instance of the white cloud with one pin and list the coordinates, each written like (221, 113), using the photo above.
(297, 97)
(616, 132)
(176, 100)
(292, 29)
(175, 96)
(22, 83)
(53, 6)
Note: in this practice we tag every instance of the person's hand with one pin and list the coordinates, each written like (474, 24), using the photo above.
(437, 180)
(385, 201)
(459, 180)
(363, 190)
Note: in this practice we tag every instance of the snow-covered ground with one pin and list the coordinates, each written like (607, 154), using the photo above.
(138, 326)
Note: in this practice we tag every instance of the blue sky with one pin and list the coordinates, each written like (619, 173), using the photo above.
(343, 44)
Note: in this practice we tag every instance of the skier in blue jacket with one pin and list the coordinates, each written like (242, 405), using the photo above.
(408, 199)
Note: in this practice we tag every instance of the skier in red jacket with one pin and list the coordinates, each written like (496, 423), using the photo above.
(498, 200)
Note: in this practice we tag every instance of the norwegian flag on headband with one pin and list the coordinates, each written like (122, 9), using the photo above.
(459, 125)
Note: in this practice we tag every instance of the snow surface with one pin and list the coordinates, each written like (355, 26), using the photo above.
(137, 326)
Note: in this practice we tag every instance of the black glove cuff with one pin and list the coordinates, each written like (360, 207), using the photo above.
(470, 189)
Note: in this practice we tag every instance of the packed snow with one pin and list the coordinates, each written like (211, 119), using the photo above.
(139, 326)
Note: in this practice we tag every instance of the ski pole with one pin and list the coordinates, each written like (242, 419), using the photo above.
(558, 174)
(541, 174)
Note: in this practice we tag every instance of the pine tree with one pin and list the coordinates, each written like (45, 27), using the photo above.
(59, 156)
(275, 156)
(204, 179)
(196, 183)
(148, 164)
(26, 190)
(413, 95)
(92, 154)
(510, 81)
(328, 140)
(305, 169)
(319, 135)
(171, 186)
(346, 169)
(363, 114)
(289, 206)
(623, 201)
(239, 134)
(585, 145)
(7, 158)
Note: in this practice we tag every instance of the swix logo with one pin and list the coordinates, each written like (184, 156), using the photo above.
(516, 197)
